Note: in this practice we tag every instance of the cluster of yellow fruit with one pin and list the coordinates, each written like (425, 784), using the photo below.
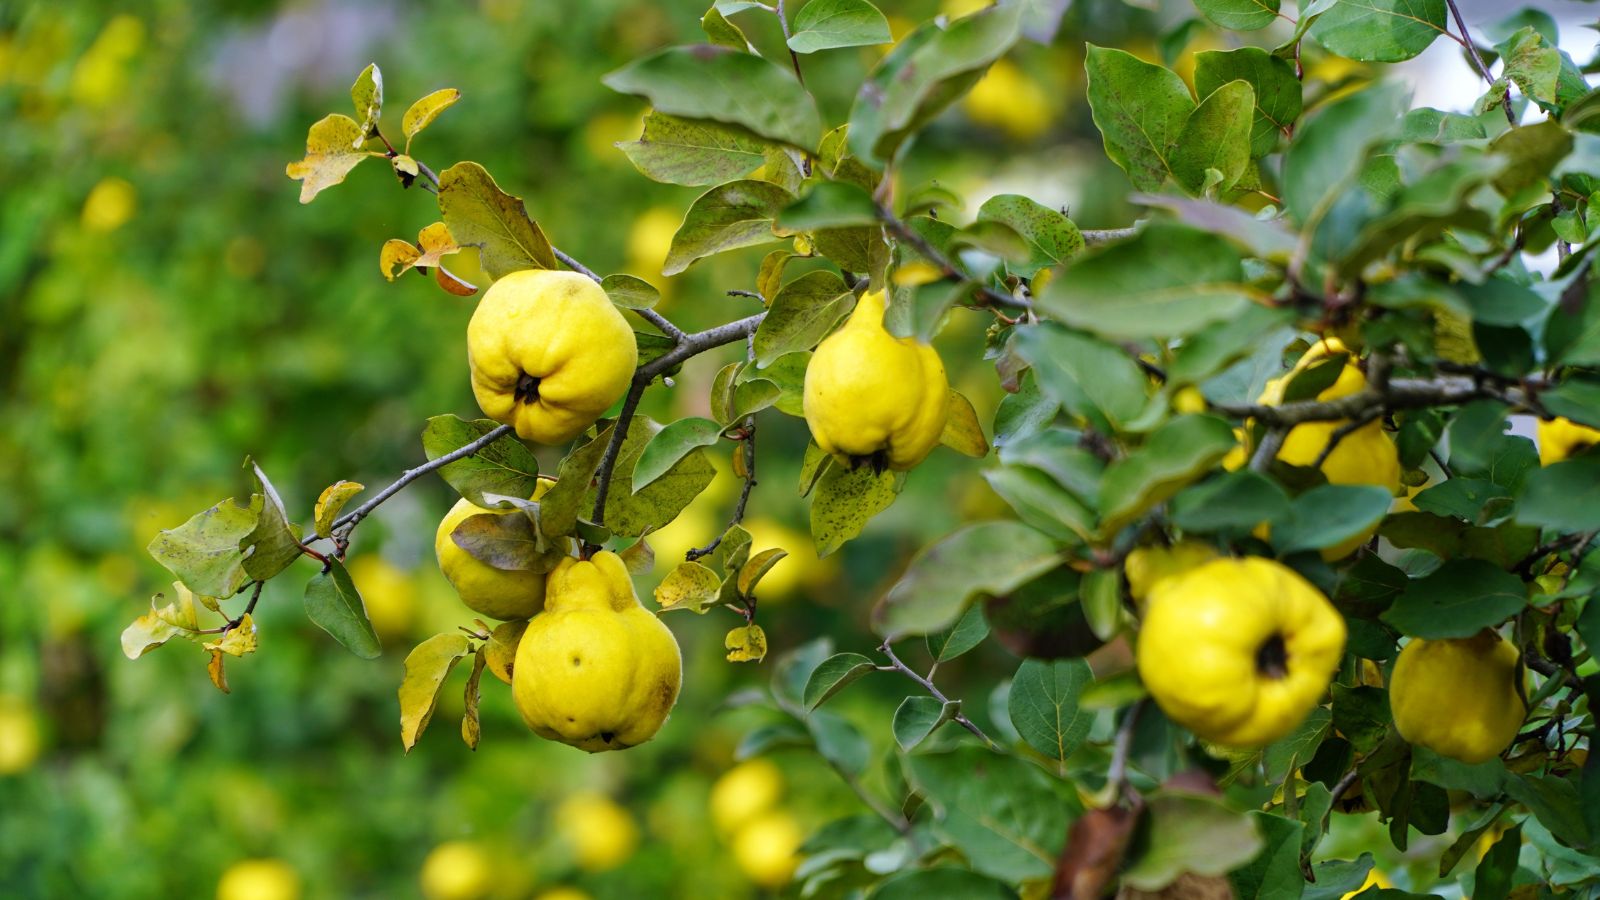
(588, 665)
(764, 838)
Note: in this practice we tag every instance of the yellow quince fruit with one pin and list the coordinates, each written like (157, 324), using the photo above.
(19, 735)
(549, 353)
(600, 832)
(1008, 99)
(504, 594)
(1374, 879)
(767, 849)
(871, 397)
(596, 669)
(457, 870)
(1145, 566)
(1561, 438)
(1239, 651)
(744, 792)
(259, 879)
(1458, 698)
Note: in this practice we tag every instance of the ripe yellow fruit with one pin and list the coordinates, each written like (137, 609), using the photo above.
(259, 879)
(109, 206)
(1008, 99)
(1560, 439)
(388, 592)
(744, 792)
(457, 870)
(875, 398)
(1458, 698)
(601, 833)
(596, 669)
(1145, 566)
(1239, 651)
(767, 849)
(19, 735)
(1374, 879)
(549, 353)
(563, 892)
(497, 593)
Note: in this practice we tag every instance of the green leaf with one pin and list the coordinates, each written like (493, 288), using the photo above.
(1275, 873)
(1459, 599)
(963, 432)
(1219, 345)
(725, 85)
(1503, 545)
(839, 742)
(509, 541)
(1234, 502)
(1140, 109)
(826, 24)
(1042, 502)
(471, 727)
(1005, 815)
(1024, 413)
(722, 32)
(1380, 30)
(1052, 237)
(334, 146)
(273, 543)
(1278, 101)
(333, 604)
(1564, 496)
(671, 444)
(422, 113)
(655, 503)
(967, 633)
(1553, 800)
(1216, 139)
(835, 674)
(427, 666)
(1330, 514)
(505, 466)
(845, 501)
(1191, 833)
(1177, 453)
(630, 292)
(1361, 715)
(693, 151)
(204, 552)
(367, 95)
(1492, 879)
(477, 212)
(1338, 878)
(944, 882)
(830, 204)
(924, 73)
(942, 578)
(1426, 125)
(727, 217)
(917, 717)
(1088, 377)
(1166, 281)
(1239, 15)
(1330, 149)
(1044, 705)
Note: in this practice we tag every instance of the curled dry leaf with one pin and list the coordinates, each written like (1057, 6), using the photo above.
(1093, 852)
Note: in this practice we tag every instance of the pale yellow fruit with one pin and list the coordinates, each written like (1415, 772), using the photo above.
(743, 792)
(109, 206)
(767, 849)
(457, 870)
(19, 735)
(1560, 439)
(1458, 698)
(259, 879)
(389, 593)
(874, 398)
(1374, 879)
(601, 833)
(650, 240)
(596, 670)
(1239, 651)
(497, 593)
(1008, 99)
(1145, 566)
(549, 353)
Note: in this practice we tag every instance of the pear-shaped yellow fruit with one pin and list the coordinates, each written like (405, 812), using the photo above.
(1458, 698)
(599, 831)
(1239, 651)
(596, 669)
(871, 397)
(549, 353)
(498, 593)
(1562, 438)
(457, 870)
(767, 848)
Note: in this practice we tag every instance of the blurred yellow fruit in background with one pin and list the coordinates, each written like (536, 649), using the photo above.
(457, 870)
(767, 848)
(110, 204)
(743, 792)
(1008, 99)
(1374, 879)
(600, 832)
(649, 241)
(259, 879)
(389, 593)
(564, 892)
(19, 735)
(1562, 438)
(955, 9)
(100, 76)
(801, 568)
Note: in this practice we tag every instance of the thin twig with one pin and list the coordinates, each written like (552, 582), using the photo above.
(1271, 443)
(1094, 236)
(749, 450)
(1344, 431)
(960, 718)
(1342, 785)
(1477, 60)
(345, 523)
(946, 266)
(1117, 772)
(783, 22)
(1399, 394)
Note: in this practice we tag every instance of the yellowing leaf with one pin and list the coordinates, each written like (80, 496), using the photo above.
(436, 243)
(396, 258)
(333, 148)
(367, 95)
(962, 431)
(689, 586)
(424, 111)
(214, 669)
(427, 666)
(332, 502)
(478, 212)
(470, 727)
(161, 624)
(640, 557)
(238, 641)
(747, 644)
(757, 567)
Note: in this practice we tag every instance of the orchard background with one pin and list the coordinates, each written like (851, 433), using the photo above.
(168, 307)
